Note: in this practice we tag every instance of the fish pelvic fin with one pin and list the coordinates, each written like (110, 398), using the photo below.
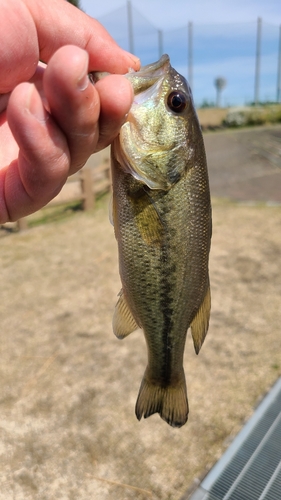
(200, 323)
(123, 322)
(170, 402)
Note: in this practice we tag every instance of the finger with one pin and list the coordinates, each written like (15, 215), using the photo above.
(36, 79)
(43, 162)
(116, 97)
(19, 43)
(4, 99)
(40, 28)
(73, 102)
(59, 23)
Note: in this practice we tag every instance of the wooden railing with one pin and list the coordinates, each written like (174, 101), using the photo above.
(83, 186)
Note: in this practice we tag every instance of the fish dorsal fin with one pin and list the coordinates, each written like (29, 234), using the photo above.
(148, 220)
(123, 321)
(200, 323)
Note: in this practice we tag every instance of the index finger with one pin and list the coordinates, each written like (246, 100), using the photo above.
(32, 30)
(59, 23)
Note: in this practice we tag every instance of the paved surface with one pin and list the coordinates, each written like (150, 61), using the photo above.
(245, 165)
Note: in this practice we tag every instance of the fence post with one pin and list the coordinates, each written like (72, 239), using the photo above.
(108, 174)
(86, 187)
(279, 69)
(22, 224)
(258, 62)
(160, 43)
(130, 26)
(190, 55)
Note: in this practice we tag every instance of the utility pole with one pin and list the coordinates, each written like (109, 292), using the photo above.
(130, 26)
(190, 54)
(279, 69)
(258, 62)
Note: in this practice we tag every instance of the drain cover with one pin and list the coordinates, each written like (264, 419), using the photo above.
(251, 467)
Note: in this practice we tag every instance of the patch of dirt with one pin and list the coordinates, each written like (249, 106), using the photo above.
(211, 117)
(68, 386)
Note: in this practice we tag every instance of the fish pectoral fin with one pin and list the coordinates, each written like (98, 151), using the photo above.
(148, 220)
(123, 322)
(170, 402)
(200, 323)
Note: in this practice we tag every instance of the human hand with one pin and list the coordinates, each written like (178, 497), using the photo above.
(52, 119)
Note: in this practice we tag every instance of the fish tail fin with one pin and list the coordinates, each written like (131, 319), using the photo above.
(170, 401)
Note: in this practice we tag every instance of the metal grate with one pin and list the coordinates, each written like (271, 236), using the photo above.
(251, 467)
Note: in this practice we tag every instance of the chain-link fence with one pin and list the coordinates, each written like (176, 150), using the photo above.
(246, 55)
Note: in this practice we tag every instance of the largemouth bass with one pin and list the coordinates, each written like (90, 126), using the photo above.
(162, 221)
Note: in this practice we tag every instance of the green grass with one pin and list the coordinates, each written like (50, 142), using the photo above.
(59, 213)
(53, 214)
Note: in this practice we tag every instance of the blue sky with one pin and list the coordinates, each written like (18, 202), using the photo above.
(224, 40)
(167, 14)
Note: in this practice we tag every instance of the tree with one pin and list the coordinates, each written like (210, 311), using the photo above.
(219, 83)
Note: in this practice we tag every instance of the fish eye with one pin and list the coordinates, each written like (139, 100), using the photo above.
(177, 101)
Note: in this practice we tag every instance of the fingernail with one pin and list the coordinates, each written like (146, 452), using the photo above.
(35, 106)
(124, 119)
(136, 62)
(83, 80)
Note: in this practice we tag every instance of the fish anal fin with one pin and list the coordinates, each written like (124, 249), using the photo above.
(200, 323)
(123, 321)
(170, 401)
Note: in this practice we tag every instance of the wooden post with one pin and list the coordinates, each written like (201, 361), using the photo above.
(108, 174)
(22, 224)
(87, 191)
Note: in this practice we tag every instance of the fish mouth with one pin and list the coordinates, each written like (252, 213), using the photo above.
(144, 78)
(148, 75)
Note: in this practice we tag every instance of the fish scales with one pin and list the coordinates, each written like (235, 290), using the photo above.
(162, 221)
